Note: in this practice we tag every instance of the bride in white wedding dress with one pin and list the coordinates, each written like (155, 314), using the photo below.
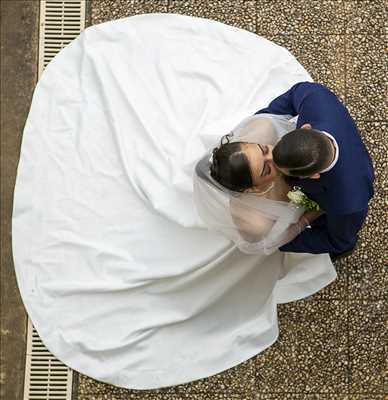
(121, 277)
(240, 193)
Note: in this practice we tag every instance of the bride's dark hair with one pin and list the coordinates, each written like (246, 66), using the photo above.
(230, 166)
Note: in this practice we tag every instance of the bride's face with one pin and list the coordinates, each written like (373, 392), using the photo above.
(261, 165)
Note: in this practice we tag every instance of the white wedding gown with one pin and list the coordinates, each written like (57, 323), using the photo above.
(118, 274)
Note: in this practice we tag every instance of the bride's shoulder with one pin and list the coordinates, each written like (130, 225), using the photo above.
(279, 190)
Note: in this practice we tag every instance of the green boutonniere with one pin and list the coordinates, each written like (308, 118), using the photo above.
(298, 197)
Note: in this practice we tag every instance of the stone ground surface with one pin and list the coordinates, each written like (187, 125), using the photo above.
(332, 345)
(19, 65)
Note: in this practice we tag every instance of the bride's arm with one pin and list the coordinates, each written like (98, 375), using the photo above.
(251, 224)
(308, 217)
(296, 229)
(254, 226)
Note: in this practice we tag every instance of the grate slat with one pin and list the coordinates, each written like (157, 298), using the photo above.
(46, 377)
(61, 21)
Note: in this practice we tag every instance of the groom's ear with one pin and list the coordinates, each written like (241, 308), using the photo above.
(315, 176)
(306, 126)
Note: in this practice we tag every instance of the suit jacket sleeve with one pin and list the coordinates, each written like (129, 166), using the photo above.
(333, 234)
(313, 102)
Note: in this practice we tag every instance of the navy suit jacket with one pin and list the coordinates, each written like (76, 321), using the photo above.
(344, 191)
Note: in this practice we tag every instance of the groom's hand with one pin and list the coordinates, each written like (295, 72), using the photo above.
(310, 216)
(304, 221)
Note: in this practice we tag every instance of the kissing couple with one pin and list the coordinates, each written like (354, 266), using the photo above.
(320, 164)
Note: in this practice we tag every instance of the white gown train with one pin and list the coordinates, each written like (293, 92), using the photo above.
(119, 276)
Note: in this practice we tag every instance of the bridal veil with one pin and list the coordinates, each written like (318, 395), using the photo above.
(251, 221)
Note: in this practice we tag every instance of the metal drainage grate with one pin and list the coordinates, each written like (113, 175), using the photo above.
(61, 21)
(47, 378)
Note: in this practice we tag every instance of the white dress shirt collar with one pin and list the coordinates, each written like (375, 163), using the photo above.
(336, 153)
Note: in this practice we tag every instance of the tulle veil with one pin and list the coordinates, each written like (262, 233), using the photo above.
(253, 222)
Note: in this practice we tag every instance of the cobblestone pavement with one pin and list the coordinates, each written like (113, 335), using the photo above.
(332, 344)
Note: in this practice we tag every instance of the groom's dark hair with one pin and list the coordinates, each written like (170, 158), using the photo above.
(230, 167)
(303, 152)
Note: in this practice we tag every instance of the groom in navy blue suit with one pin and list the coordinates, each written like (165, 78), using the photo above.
(343, 186)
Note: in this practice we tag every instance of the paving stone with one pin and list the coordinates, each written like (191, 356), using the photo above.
(374, 135)
(107, 10)
(367, 345)
(364, 397)
(301, 17)
(320, 396)
(88, 386)
(337, 290)
(161, 396)
(366, 267)
(88, 13)
(322, 56)
(366, 77)
(239, 379)
(239, 13)
(311, 354)
(366, 16)
(290, 396)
